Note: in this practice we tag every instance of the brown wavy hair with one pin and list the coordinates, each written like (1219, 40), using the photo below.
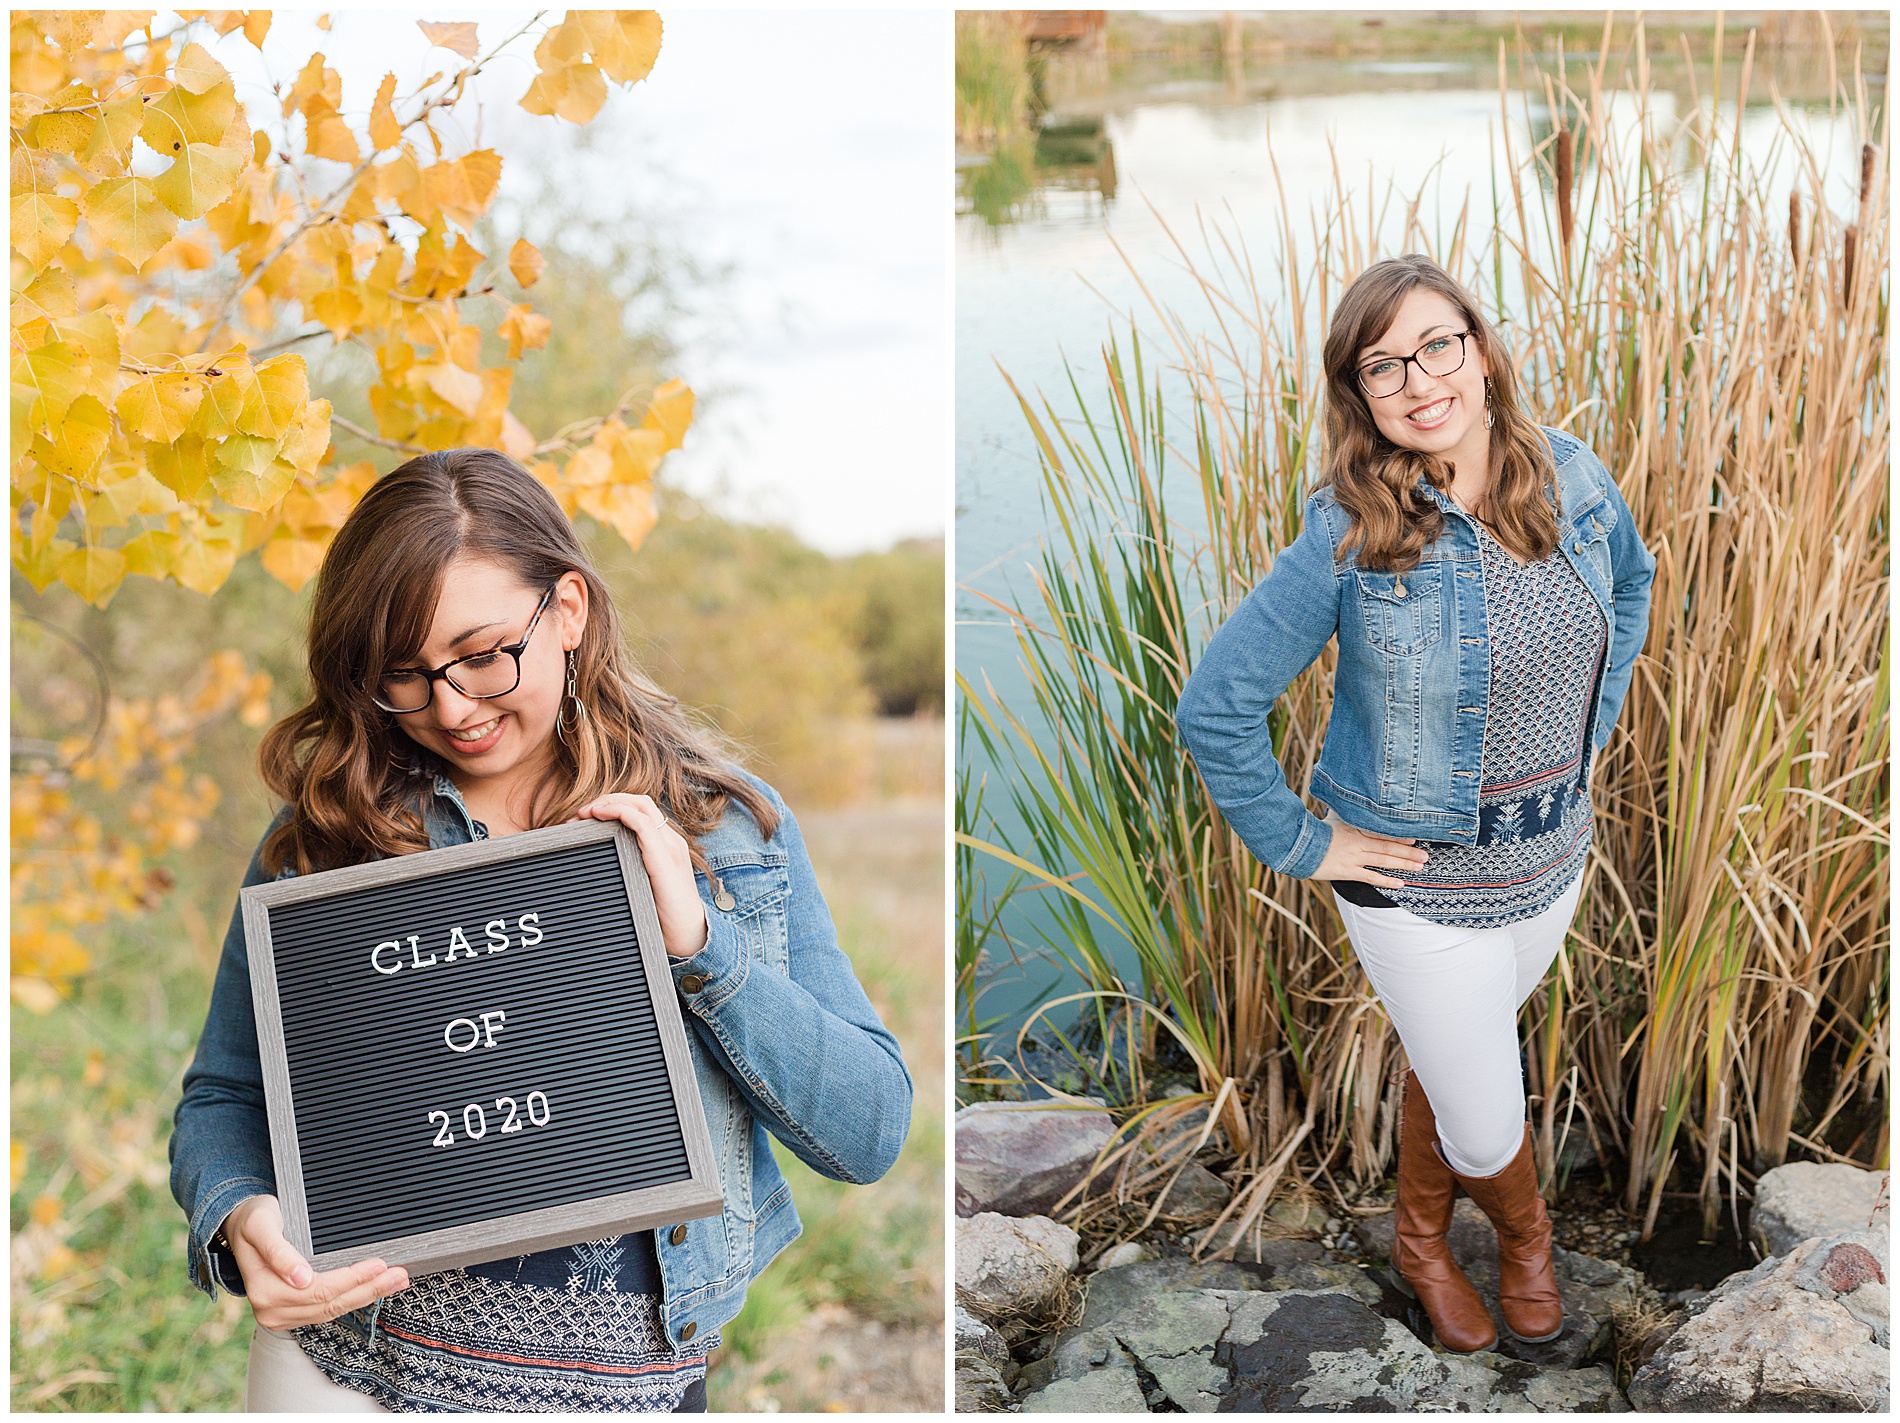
(354, 781)
(1377, 483)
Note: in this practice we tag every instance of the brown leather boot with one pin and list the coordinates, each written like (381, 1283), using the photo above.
(1527, 1284)
(1420, 1253)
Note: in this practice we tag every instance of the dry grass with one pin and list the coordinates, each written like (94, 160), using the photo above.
(1726, 360)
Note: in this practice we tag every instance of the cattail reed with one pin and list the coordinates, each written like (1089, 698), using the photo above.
(1566, 171)
(1849, 241)
(1794, 230)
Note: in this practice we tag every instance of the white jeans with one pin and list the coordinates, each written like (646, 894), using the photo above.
(281, 1379)
(1453, 995)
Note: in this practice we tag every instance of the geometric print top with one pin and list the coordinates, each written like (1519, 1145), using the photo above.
(576, 1329)
(1548, 639)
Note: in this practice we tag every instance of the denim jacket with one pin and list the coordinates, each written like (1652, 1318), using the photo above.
(1404, 748)
(783, 1041)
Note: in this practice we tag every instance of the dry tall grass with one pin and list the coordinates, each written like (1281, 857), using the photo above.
(1725, 358)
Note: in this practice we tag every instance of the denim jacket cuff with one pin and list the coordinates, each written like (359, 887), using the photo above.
(212, 1267)
(1309, 850)
(717, 971)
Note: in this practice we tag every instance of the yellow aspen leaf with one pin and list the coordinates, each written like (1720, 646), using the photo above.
(66, 127)
(130, 219)
(202, 564)
(573, 92)
(201, 177)
(292, 561)
(244, 487)
(458, 36)
(260, 148)
(150, 555)
(588, 466)
(50, 294)
(329, 137)
(50, 377)
(17, 1163)
(110, 143)
(79, 440)
(39, 565)
(257, 25)
(97, 334)
(314, 84)
(624, 43)
(670, 412)
(110, 27)
(93, 573)
(636, 454)
(385, 130)
(526, 262)
(119, 500)
(517, 441)
(161, 407)
(43, 222)
(197, 72)
(627, 509)
(340, 309)
(455, 387)
(524, 330)
(308, 438)
(181, 117)
(284, 387)
(323, 23)
(481, 169)
(240, 455)
(497, 384)
(181, 466)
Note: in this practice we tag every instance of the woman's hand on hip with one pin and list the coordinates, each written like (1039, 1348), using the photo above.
(283, 1290)
(1362, 855)
(669, 861)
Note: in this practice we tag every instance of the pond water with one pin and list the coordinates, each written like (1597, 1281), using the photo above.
(1046, 263)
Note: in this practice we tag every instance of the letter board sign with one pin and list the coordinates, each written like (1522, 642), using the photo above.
(475, 1052)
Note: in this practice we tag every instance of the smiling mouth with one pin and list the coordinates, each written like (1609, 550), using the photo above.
(478, 733)
(1426, 414)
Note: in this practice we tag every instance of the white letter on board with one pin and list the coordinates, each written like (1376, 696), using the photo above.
(448, 1034)
(459, 940)
(530, 924)
(500, 1018)
(497, 940)
(375, 956)
(415, 952)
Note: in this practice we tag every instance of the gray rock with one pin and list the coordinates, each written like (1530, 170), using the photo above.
(980, 1386)
(1093, 1374)
(1020, 1158)
(1112, 1291)
(1592, 1289)
(1204, 1350)
(1010, 1269)
(1779, 1337)
(976, 1337)
(1196, 1194)
(1806, 1199)
(1846, 1269)
(1129, 1252)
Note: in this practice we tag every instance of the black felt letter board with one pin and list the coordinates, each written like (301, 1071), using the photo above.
(475, 1052)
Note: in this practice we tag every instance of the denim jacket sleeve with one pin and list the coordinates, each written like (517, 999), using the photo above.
(220, 1146)
(1632, 569)
(1276, 633)
(805, 1049)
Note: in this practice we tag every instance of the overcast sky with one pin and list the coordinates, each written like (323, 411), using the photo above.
(809, 150)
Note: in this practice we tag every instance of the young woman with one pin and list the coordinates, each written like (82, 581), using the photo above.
(468, 679)
(1490, 592)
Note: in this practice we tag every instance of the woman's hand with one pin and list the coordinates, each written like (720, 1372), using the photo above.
(1361, 855)
(283, 1290)
(669, 862)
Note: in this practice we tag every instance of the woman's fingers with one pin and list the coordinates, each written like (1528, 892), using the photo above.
(331, 1294)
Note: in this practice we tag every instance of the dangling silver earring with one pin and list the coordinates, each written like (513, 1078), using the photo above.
(1490, 415)
(568, 721)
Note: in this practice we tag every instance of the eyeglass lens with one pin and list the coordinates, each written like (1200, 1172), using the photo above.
(488, 674)
(1440, 357)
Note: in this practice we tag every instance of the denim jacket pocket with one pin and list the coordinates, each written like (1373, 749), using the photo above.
(1404, 612)
(752, 893)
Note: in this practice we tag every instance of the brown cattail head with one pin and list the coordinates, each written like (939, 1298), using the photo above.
(1566, 166)
(1794, 229)
(1847, 267)
(1866, 173)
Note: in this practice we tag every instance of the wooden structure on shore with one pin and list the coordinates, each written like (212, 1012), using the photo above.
(1085, 30)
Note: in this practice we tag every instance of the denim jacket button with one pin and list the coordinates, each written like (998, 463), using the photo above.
(692, 983)
(723, 902)
(677, 1235)
(689, 1331)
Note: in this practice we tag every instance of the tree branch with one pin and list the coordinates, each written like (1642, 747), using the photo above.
(371, 437)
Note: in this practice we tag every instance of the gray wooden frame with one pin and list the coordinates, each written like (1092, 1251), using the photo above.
(524, 1231)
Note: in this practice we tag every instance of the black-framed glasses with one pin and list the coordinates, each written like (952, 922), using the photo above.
(478, 676)
(1439, 356)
